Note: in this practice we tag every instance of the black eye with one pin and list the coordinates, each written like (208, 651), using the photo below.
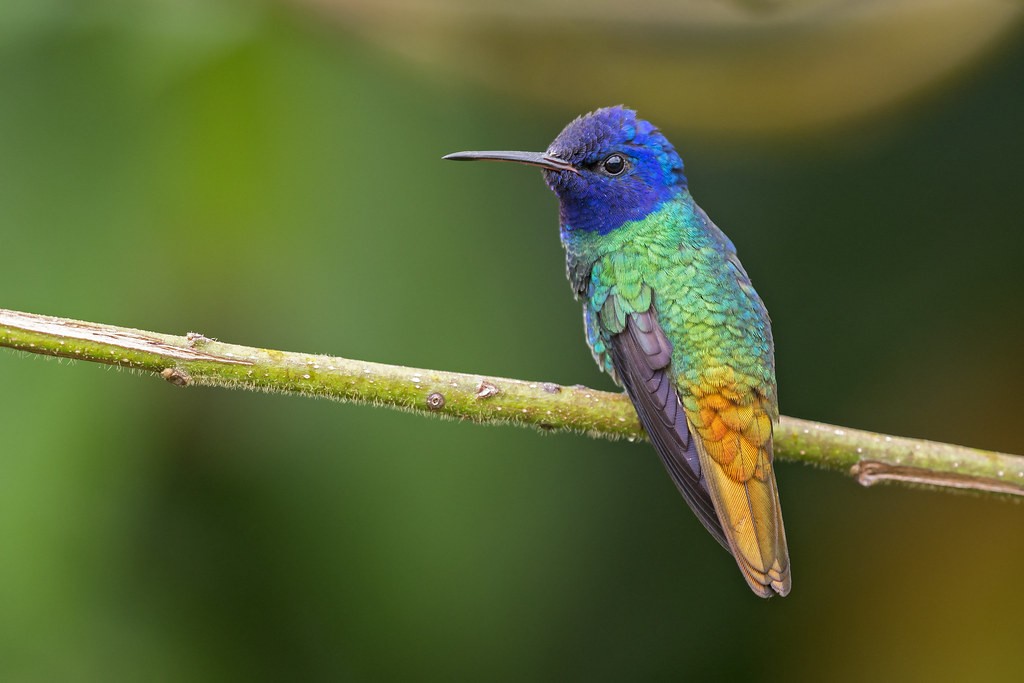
(614, 164)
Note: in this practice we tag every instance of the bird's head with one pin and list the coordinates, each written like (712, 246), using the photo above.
(607, 167)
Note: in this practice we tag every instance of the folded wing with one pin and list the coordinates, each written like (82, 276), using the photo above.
(718, 449)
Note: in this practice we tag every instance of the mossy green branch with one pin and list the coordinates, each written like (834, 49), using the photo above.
(194, 360)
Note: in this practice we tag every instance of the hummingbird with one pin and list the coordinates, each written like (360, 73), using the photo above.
(670, 313)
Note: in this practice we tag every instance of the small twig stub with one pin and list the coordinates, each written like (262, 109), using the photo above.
(486, 390)
(175, 376)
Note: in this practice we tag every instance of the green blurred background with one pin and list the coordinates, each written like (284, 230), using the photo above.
(268, 174)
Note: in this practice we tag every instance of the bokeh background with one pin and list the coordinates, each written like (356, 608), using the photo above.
(268, 173)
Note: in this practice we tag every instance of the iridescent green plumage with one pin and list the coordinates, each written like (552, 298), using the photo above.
(706, 304)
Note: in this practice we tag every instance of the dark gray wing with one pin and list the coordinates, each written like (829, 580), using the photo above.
(641, 355)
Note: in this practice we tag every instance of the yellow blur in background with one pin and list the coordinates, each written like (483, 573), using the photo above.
(268, 173)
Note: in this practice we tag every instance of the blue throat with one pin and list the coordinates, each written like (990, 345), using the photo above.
(603, 215)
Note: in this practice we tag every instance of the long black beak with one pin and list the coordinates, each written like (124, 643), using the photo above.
(542, 159)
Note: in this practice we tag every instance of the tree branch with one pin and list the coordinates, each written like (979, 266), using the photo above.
(195, 360)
